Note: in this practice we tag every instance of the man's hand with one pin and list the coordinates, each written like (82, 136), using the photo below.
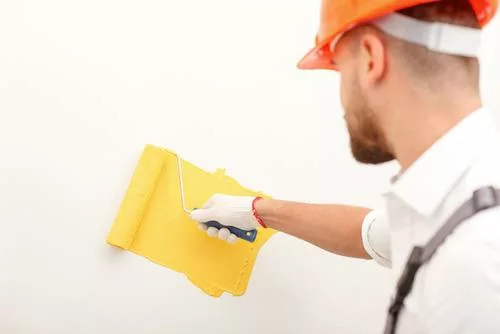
(228, 210)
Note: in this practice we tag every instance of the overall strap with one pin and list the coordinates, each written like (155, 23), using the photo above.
(482, 199)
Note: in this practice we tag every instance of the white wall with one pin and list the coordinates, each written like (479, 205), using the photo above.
(84, 85)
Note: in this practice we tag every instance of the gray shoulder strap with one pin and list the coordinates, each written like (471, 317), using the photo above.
(482, 199)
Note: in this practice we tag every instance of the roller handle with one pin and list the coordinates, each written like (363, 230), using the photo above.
(242, 234)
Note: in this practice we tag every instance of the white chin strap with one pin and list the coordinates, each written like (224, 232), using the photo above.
(436, 36)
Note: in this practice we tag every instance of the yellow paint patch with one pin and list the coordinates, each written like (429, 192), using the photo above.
(152, 223)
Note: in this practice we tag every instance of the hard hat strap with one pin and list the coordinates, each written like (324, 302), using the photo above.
(436, 36)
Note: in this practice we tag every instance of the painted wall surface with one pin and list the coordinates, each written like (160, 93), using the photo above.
(84, 85)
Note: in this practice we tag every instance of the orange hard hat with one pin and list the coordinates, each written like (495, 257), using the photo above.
(338, 16)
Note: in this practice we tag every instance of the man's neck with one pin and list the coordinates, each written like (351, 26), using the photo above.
(419, 124)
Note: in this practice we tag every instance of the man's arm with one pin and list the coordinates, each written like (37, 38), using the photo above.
(344, 230)
(335, 228)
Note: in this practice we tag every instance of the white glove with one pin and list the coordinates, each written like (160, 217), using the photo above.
(228, 210)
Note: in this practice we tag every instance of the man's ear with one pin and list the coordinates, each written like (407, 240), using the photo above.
(373, 58)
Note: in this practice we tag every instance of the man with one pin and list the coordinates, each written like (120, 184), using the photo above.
(410, 90)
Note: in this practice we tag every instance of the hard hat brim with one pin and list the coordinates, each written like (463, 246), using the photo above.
(315, 58)
(313, 61)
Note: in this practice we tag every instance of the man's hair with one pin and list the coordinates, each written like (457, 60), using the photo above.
(427, 64)
(457, 12)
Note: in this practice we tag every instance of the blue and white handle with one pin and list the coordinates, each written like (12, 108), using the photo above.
(249, 236)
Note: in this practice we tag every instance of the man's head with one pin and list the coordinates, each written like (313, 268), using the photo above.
(381, 75)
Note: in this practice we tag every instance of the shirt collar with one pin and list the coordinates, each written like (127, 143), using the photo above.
(425, 184)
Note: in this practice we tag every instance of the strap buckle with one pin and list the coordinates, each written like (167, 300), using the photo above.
(405, 282)
(408, 276)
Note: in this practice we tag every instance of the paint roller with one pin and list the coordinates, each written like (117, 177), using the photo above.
(249, 236)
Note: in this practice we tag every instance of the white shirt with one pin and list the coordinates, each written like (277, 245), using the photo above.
(458, 291)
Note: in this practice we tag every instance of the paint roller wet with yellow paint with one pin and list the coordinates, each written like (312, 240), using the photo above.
(151, 222)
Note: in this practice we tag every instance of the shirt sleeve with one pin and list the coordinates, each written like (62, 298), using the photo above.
(376, 237)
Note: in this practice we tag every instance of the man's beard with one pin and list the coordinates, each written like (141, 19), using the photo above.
(368, 144)
(369, 154)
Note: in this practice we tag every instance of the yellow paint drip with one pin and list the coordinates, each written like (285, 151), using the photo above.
(152, 223)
